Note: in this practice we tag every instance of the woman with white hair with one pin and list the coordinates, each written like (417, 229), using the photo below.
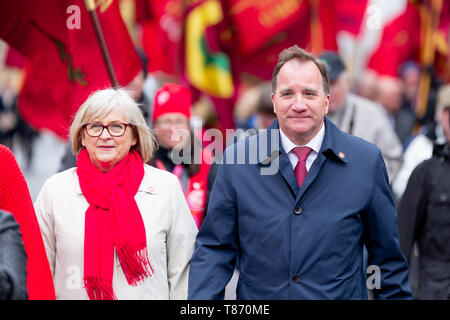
(113, 226)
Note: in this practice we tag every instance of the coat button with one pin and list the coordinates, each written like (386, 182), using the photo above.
(298, 210)
(296, 278)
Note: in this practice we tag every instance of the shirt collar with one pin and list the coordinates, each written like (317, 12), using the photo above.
(315, 143)
(333, 142)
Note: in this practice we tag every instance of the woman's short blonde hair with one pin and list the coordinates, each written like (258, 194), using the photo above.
(99, 105)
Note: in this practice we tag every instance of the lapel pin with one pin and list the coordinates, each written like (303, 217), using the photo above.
(341, 155)
(196, 185)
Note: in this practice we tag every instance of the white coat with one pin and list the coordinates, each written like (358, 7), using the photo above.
(170, 231)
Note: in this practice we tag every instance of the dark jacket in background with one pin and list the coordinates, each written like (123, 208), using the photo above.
(13, 260)
(424, 217)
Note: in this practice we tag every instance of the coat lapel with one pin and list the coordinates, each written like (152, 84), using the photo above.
(330, 149)
(287, 172)
(276, 156)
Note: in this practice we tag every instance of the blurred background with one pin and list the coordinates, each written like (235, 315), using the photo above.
(397, 52)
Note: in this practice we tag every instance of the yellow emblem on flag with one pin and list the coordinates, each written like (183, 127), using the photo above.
(208, 72)
(92, 4)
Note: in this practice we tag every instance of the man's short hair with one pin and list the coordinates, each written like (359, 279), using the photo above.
(265, 104)
(297, 53)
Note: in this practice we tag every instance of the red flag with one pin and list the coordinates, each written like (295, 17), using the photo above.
(350, 15)
(324, 26)
(142, 10)
(206, 66)
(400, 42)
(63, 65)
(312, 25)
(162, 34)
(87, 56)
(45, 82)
(14, 58)
(263, 56)
(255, 23)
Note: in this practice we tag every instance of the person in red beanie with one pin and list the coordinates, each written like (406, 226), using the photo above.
(15, 198)
(171, 116)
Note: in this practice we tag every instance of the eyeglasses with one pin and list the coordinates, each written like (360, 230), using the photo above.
(115, 129)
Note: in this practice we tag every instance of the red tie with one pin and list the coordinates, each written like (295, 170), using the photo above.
(300, 169)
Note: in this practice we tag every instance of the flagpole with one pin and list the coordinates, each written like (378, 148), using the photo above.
(90, 6)
(427, 58)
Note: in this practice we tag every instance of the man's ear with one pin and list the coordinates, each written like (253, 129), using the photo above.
(273, 103)
(327, 103)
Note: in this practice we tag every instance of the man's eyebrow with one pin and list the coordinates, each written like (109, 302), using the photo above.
(284, 90)
(310, 89)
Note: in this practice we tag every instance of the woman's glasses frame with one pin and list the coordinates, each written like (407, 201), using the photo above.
(85, 126)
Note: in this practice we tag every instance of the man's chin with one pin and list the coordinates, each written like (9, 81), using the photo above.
(297, 130)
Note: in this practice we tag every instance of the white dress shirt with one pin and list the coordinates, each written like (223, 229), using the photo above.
(170, 231)
(315, 144)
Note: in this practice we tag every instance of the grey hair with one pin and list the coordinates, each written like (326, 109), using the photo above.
(99, 104)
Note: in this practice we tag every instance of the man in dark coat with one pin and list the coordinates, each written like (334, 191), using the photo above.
(424, 213)
(297, 203)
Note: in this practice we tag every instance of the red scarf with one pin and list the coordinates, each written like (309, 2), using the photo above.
(112, 220)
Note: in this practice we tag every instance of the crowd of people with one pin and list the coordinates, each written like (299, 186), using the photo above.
(360, 180)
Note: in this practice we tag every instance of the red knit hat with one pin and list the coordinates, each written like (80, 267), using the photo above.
(172, 98)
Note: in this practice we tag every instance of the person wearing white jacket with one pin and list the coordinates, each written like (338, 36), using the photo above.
(115, 227)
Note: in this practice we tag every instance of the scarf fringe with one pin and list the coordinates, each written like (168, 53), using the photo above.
(99, 289)
(135, 264)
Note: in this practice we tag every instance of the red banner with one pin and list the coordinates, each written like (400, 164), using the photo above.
(64, 62)
(400, 42)
(256, 22)
(350, 15)
(162, 35)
